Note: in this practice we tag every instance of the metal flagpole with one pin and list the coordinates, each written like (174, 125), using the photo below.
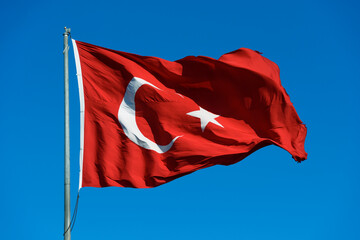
(67, 139)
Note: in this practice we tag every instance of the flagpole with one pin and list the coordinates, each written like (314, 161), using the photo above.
(67, 231)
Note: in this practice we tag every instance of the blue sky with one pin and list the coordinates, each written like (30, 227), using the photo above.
(266, 196)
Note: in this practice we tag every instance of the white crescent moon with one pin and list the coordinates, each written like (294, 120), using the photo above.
(127, 119)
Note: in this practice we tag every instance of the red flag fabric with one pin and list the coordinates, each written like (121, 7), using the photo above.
(147, 121)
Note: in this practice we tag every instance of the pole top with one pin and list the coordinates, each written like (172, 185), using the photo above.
(67, 31)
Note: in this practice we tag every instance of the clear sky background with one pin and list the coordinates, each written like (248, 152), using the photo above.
(266, 196)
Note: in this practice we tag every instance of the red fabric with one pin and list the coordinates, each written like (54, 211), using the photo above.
(242, 87)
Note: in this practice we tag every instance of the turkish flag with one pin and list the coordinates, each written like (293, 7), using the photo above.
(146, 121)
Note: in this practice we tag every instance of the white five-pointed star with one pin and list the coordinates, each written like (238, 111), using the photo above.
(205, 117)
